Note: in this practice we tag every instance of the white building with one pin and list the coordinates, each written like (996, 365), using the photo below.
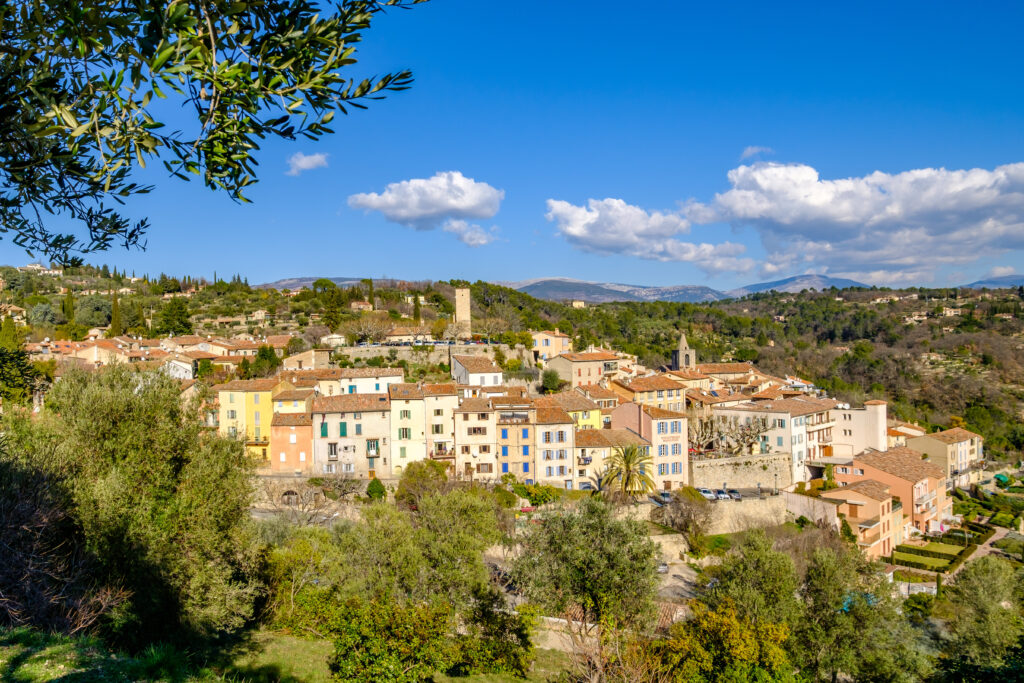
(476, 371)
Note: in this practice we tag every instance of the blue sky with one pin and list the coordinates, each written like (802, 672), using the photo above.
(605, 141)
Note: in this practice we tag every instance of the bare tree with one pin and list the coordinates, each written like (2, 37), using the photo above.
(369, 328)
(689, 513)
(303, 503)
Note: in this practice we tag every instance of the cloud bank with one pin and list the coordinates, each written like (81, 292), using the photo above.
(754, 150)
(611, 226)
(299, 162)
(877, 228)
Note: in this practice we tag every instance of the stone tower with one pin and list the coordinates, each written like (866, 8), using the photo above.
(684, 358)
(463, 317)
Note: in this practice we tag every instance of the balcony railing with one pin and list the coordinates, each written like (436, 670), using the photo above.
(584, 460)
(924, 499)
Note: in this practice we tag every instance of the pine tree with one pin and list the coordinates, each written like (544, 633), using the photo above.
(116, 327)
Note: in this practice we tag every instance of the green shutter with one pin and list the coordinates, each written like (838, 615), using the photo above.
(323, 429)
(343, 429)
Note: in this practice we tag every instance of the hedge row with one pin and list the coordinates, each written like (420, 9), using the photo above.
(918, 565)
(914, 550)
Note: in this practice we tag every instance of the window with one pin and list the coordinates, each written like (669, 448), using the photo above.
(677, 449)
(661, 394)
(504, 452)
(329, 468)
(561, 437)
(547, 471)
(438, 412)
(359, 429)
(481, 416)
(677, 468)
(465, 450)
(662, 427)
(662, 450)
(526, 450)
(405, 433)
(323, 429)
(255, 398)
(405, 414)
(526, 468)
(280, 404)
(357, 416)
(674, 426)
(504, 468)
(437, 429)
(547, 437)
(477, 431)
(778, 441)
(292, 438)
(342, 429)
(465, 417)
(485, 449)
(232, 414)
(332, 450)
(351, 389)
(302, 456)
(782, 423)
(295, 404)
(283, 458)
(662, 469)
(401, 451)
(256, 415)
(231, 398)
(504, 433)
(376, 387)
(347, 467)
(526, 433)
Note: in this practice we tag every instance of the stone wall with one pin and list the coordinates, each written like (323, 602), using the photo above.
(745, 471)
(731, 516)
(818, 510)
(436, 354)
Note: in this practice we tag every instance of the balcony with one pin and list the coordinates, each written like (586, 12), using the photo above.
(257, 441)
(924, 499)
(584, 460)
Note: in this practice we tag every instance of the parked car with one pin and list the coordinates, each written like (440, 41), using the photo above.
(662, 568)
(707, 493)
(734, 494)
(721, 494)
(666, 496)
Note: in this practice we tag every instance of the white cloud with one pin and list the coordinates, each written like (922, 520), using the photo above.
(426, 203)
(470, 234)
(879, 228)
(754, 150)
(299, 162)
(611, 226)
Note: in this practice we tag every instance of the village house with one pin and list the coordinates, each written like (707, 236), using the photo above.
(475, 371)
(666, 431)
(655, 390)
(584, 368)
(874, 517)
(515, 419)
(593, 449)
(555, 431)
(291, 443)
(957, 451)
(475, 440)
(550, 343)
(586, 414)
(351, 435)
(313, 359)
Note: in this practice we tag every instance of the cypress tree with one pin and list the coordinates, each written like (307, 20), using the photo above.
(116, 327)
(67, 307)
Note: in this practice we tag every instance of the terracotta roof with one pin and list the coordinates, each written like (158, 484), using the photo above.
(474, 405)
(770, 393)
(597, 391)
(186, 384)
(363, 373)
(229, 360)
(552, 333)
(292, 420)
(511, 401)
(652, 383)
(476, 364)
(405, 391)
(187, 340)
(875, 402)
(725, 368)
(572, 401)
(351, 403)
(608, 438)
(902, 462)
(707, 397)
(447, 389)
(875, 490)
(688, 374)
(955, 435)
(279, 340)
(552, 415)
(593, 356)
(199, 355)
(294, 395)
(660, 413)
(793, 406)
(248, 385)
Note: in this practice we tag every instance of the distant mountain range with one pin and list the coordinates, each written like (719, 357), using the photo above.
(998, 282)
(600, 292)
(568, 289)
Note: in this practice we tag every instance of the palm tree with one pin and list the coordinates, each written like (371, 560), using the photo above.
(628, 473)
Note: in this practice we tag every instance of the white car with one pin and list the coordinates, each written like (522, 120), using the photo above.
(707, 493)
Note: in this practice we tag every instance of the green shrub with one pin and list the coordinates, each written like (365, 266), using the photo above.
(923, 552)
(375, 490)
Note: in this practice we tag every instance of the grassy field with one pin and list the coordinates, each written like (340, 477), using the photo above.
(268, 657)
(944, 548)
(929, 561)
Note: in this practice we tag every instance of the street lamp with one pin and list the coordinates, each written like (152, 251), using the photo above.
(776, 483)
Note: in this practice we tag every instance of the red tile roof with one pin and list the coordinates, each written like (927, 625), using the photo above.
(351, 403)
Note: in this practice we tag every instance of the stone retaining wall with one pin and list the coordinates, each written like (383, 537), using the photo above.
(745, 471)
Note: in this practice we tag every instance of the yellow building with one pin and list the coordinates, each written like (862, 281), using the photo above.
(585, 412)
(246, 409)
